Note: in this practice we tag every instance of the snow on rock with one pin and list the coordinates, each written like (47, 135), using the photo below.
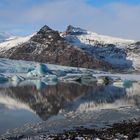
(91, 38)
(75, 30)
(109, 49)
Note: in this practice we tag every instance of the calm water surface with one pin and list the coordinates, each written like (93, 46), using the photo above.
(80, 104)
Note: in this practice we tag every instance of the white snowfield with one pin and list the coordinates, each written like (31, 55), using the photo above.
(91, 38)
(86, 39)
(12, 42)
(122, 54)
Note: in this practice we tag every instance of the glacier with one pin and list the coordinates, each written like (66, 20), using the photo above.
(19, 73)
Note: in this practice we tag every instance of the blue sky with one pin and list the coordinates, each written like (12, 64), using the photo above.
(110, 17)
(104, 2)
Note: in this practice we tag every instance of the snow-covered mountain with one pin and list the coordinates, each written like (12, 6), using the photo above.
(74, 47)
(91, 38)
(121, 53)
(49, 47)
(12, 42)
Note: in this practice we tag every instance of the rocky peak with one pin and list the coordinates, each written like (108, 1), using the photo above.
(75, 30)
(46, 28)
(47, 46)
(46, 35)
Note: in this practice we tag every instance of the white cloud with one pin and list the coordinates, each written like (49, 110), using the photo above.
(115, 19)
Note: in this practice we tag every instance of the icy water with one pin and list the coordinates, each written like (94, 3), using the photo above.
(67, 105)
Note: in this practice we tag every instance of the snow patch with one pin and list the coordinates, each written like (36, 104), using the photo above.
(14, 42)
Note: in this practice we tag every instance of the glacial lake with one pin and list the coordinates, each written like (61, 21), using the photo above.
(67, 105)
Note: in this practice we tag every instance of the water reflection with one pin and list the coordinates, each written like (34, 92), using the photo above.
(41, 102)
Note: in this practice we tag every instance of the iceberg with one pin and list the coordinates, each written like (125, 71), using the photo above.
(104, 80)
(16, 79)
(3, 79)
(71, 77)
(42, 69)
(50, 78)
(39, 71)
(123, 84)
(60, 73)
(39, 84)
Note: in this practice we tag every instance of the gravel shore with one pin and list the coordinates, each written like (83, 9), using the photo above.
(118, 131)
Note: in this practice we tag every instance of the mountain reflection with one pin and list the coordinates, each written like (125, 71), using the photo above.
(50, 100)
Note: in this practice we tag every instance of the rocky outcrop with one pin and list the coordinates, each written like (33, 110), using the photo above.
(48, 46)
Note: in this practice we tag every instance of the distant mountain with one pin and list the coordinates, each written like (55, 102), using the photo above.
(120, 53)
(4, 36)
(75, 47)
(49, 47)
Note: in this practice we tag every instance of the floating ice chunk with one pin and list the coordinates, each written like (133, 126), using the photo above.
(88, 78)
(123, 84)
(83, 78)
(3, 79)
(118, 84)
(71, 77)
(42, 69)
(50, 78)
(127, 84)
(16, 79)
(104, 80)
(51, 83)
(96, 139)
(60, 73)
(32, 73)
(39, 84)
(39, 71)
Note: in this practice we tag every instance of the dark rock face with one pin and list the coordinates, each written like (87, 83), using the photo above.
(48, 46)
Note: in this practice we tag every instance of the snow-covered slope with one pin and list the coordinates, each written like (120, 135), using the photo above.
(94, 50)
(12, 42)
(121, 53)
(91, 38)
(48, 46)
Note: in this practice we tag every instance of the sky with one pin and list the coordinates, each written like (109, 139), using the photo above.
(118, 18)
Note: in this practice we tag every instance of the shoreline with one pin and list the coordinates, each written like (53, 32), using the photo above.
(125, 130)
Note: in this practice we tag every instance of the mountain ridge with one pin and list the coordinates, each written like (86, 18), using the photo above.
(76, 47)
